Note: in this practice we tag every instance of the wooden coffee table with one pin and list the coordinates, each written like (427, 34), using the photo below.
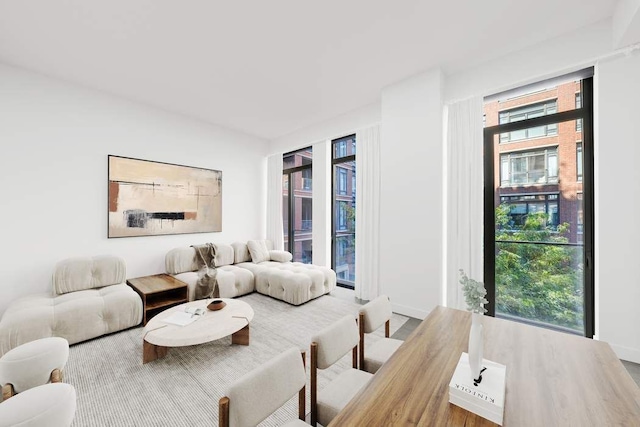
(232, 320)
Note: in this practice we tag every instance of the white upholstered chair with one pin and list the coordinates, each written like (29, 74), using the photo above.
(33, 364)
(327, 347)
(253, 397)
(372, 316)
(49, 405)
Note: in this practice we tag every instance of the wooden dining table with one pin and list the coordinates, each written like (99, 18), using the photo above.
(552, 379)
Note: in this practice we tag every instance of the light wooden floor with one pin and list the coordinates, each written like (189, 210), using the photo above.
(411, 324)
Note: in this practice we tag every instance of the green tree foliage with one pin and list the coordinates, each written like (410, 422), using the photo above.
(538, 282)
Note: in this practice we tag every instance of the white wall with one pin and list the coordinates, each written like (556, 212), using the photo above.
(618, 204)
(564, 54)
(411, 194)
(342, 125)
(54, 141)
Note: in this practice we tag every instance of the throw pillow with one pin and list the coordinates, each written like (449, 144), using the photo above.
(258, 250)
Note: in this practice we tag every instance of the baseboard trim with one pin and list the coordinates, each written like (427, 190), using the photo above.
(626, 353)
(409, 311)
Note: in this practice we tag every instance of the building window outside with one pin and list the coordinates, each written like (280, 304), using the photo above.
(529, 167)
(578, 105)
(342, 181)
(579, 161)
(306, 179)
(521, 206)
(342, 215)
(525, 113)
(580, 219)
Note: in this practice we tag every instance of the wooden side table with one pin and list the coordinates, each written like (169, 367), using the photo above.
(158, 292)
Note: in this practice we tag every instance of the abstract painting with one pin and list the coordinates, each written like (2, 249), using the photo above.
(151, 198)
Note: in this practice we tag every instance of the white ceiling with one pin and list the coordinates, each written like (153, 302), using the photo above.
(269, 67)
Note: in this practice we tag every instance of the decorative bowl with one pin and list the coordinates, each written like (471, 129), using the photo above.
(216, 304)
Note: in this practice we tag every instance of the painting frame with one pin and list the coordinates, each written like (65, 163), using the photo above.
(152, 198)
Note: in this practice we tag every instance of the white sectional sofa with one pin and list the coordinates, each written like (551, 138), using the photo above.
(254, 266)
(90, 298)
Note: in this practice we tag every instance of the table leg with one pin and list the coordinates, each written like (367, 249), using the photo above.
(152, 352)
(241, 337)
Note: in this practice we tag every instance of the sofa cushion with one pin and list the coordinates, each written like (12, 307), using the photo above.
(224, 254)
(280, 256)
(232, 281)
(77, 274)
(180, 260)
(259, 250)
(75, 316)
(240, 252)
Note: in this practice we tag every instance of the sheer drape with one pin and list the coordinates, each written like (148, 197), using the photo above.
(464, 204)
(275, 231)
(367, 285)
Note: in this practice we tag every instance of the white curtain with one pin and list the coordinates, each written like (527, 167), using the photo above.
(367, 284)
(464, 204)
(275, 230)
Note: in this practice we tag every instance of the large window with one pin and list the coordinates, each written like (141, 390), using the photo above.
(344, 209)
(538, 204)
(525, 113)
(529, 167)
(297, 191)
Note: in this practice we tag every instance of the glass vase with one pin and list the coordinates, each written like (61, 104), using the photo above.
(475, 346)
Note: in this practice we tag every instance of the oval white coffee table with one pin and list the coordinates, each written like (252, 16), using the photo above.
(232, 320)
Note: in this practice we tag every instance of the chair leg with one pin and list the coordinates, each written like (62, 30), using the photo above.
(223, 412)
(386, 328)
(7, 391)
(302, 394)
(56, 376)
(361, 328)
(314, 384)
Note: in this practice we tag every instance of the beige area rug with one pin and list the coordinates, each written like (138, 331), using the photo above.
(114, 388)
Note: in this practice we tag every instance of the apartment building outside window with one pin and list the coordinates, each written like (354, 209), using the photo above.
(297, 207)
(344, 208)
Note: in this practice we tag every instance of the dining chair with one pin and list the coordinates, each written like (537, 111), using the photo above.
(371, 317)
(327, 347)
(259, 393)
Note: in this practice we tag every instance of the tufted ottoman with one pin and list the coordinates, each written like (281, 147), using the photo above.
(295, 283)
(89, 300)
(50, 405)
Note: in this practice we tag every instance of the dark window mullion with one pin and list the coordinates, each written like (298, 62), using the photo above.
(564, 116)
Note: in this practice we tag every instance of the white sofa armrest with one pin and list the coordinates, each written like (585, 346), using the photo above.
(280, 256)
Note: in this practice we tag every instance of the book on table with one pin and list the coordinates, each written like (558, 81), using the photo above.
(485, 399)
(184, 318)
